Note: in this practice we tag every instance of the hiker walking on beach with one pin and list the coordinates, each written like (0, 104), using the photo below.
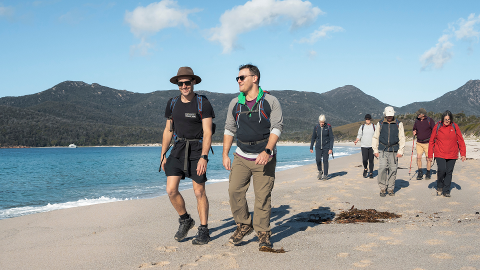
(322, 137)
(189, 123)
(388, 143)
(423, 128)
(365, 134)
(445, 143)
(256, 118)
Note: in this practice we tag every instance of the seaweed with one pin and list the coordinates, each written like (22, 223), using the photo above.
(355, 215)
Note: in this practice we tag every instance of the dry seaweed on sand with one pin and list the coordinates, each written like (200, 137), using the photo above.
(268, 249)
(368, 215)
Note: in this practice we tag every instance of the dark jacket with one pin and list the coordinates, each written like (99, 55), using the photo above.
(424, 129)
(322, 137)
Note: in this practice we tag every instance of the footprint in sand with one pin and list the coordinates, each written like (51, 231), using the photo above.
(454, 203)
(384, 238)
(366, 247)
(446, 210)
(373, 234)
(397, 230)
(342, 255)
(368, 198)
(225, 203)
(447, 233)
(442, 256)
(394, 242)
(412, 199)
(167, 249)
(332, 198)
(226, 260)
(154, 264)
(363, 263)
(473, 258)
(287, 196)
(434, 242)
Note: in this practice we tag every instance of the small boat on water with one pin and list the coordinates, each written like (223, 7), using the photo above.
(72, 146)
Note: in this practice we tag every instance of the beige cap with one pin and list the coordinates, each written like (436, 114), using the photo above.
(389, 111)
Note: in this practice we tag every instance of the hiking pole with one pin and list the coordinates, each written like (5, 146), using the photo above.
(411, 156)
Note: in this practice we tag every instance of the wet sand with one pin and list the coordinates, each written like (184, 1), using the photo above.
(433, 232)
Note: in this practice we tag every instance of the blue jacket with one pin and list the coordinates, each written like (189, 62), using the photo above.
(322, 137)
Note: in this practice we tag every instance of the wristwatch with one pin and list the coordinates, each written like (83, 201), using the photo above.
(268, 151)
(204, 157)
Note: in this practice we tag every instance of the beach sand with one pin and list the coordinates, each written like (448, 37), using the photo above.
(433, 232)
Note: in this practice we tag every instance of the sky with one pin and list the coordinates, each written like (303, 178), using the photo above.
(397, 51)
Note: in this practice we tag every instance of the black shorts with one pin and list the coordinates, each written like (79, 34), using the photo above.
(174, 167)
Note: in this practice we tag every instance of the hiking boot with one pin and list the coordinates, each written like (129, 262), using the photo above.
(365, 173)
(446, 195)
(391, 193)
(185, 226)
(420, 174)
(319, 175)
(264, 239)
(325, 177)
(202, 237)
(241, 231)
(371, 175)
(439, 192)
(383, 193)
(428, 175)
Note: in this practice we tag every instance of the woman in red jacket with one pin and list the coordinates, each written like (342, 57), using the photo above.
(445, 143)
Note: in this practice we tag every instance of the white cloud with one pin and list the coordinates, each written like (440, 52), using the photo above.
(312, 54)
(466, 29)
(141, 48)
(320, 33)
(151, 19)
(257, 13)
(6, 12)
(438, 55)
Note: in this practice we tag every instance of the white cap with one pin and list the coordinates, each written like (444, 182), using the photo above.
(321, 118)
(389, 111)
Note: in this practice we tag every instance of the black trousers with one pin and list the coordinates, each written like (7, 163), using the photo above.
(367, 156)
(322, 154)
(444, 173)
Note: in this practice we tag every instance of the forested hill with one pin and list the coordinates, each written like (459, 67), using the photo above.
(92, 114)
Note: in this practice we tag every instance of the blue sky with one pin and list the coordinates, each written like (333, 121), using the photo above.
(396, 51)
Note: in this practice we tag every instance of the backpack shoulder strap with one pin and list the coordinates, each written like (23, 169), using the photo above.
(398, 123)
(262, 109)
(363, 127)
(200, 104)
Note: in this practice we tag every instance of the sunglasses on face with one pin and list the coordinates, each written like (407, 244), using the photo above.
(187, 83)
(242, 77)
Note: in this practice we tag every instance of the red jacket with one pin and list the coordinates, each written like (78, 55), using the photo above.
(445, 142)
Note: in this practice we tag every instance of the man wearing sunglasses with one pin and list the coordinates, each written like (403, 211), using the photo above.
(255, 117)
(189, 122)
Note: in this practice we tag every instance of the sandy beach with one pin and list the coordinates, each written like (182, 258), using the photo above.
(432, 233)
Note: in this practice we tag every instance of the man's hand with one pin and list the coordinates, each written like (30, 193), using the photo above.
(464, 158)
(399, 155)
(355, 142)
(227, 162)
(164, 160)
(311, 150)
(430, 159)
(262, 158)
(330, 152)
(376, 154)
(202, 166)
(414, 132)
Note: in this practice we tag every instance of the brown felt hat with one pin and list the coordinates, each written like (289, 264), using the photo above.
(185, 71)
(422, 111)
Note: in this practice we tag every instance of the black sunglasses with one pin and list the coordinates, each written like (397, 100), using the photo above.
(187, 83)
(242, 77)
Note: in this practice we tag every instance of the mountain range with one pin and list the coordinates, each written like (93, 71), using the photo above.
(92, 114)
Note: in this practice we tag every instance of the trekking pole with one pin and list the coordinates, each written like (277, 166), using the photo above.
(411, 156)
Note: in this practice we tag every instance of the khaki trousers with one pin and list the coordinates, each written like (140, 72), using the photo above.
(387, 170)
(263, 177)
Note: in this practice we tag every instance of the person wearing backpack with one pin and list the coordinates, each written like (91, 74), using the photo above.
(388, 143)
(255, 117)
(322, 138)
(189, 123)
(365, 134)
(445, 143)
(423, 128)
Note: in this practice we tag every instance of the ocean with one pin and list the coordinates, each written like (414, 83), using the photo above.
(35, 180)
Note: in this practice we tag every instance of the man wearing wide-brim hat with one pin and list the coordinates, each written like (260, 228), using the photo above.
(189, 122)
(423, 128)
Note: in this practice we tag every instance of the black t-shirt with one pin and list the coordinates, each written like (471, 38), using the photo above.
(188, 124)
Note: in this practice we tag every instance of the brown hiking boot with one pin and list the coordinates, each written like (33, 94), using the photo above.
(264, 239)
(391, 193)
(241, 231)
(383, 193)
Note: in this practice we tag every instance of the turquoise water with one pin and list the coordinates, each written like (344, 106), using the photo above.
(37, 180)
